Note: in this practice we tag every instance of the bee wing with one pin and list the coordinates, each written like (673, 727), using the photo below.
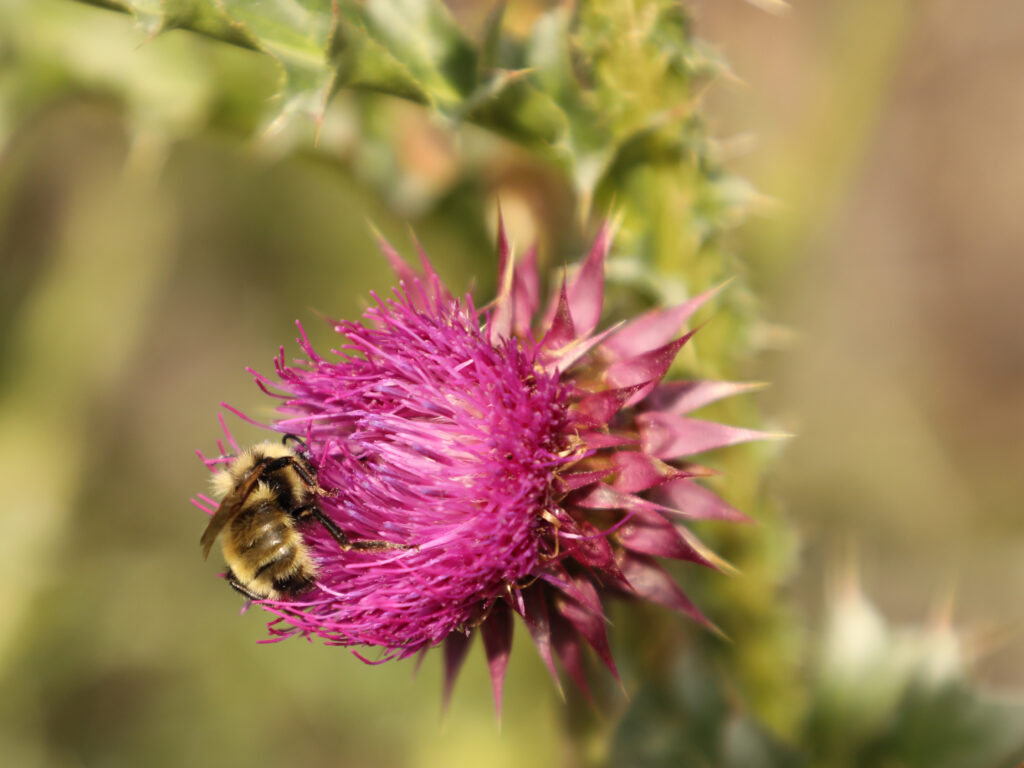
(228, 508)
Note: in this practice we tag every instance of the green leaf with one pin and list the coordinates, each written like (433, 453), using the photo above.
(364, 63)
(511, 105)
(490, 48)
(296, 33)
(205, 18)
(424, 37)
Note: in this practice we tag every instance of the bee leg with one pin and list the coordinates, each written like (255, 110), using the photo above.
(290, 438)
(302, 468)
(312, 510)
(364, 545)
(239, 587)
(377, 545)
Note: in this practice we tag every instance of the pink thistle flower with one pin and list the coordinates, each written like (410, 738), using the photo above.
(524, 468)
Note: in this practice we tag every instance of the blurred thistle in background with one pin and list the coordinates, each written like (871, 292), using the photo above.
(178, 182)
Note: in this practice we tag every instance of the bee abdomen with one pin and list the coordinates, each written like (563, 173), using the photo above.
(289, 574)
(260, 530)
(295, 583)
(284, 556)
(286, 563)
(269, 538)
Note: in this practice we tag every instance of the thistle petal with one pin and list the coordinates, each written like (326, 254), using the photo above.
(592, 549)
(504, 253)
(567, 647)
(558, 577)
(637, 471)
(697, 502)
(655, 328)
(651, 582)
(562, 331)
(497, 634)
(575, 480)
(456, 646)
(501, 320)
(406, 276)
(645, 369)
(600, 440)
(598, 408)
(603, 496)
(681, 397)
(438, 293)
(525, 292)
(591, 628)
(586, 291)
(648, 533)
(540, 630)
(668, 436)
(565, 358)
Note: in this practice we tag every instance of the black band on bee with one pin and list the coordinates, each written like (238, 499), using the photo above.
(294, 584)
(285, 554)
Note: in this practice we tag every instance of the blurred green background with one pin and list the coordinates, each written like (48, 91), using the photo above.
(157, 237)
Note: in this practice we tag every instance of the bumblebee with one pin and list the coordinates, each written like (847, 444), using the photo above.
(266, 493)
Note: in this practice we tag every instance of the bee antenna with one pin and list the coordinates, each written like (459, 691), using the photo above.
(296, 439)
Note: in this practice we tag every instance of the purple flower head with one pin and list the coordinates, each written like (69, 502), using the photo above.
(517, 466)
